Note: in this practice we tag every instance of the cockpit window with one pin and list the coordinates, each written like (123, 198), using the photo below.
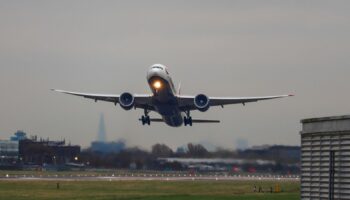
(157, 67)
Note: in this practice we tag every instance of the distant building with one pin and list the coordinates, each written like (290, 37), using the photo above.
(8, 153)
(217, 164)
(241, 144)
(20, 151)
(277, 152)
(101, 145)
(101, 135)
(181, 150)
(46, 152)
(19, 135)
(108, 147)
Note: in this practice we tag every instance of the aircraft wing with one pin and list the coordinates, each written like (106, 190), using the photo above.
(187, 102)
(141, 100)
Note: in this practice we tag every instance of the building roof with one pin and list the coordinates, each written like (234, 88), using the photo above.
(320, 119)
(331, 124)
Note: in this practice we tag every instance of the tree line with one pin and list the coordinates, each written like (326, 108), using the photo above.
(140, 158)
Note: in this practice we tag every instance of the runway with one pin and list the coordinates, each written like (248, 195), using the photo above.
(147, 177)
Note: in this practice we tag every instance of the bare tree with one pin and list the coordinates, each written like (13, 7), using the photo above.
(196, 150)
(161, 150)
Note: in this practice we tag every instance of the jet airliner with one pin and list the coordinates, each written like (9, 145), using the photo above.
(167, 101)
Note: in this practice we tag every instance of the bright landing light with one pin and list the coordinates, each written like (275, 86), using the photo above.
(157, 84)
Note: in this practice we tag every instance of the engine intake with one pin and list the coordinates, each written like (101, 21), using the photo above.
(201, 102)
(126, 100)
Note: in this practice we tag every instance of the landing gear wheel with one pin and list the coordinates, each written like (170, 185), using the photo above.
(188, 121)
(188, 118)
(145, 119)
(148, 120)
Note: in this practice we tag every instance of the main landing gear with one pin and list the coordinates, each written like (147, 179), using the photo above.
(188, 119)
(145, 119)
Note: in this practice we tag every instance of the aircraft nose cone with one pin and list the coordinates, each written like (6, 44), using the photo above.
(154, 72)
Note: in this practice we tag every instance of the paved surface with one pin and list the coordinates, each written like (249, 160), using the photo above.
(145, 177)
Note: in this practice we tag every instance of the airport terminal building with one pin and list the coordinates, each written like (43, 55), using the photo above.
(8, 153)
(21, 152)
(325, 158)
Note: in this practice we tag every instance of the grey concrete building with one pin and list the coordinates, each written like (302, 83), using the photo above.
(325, 158)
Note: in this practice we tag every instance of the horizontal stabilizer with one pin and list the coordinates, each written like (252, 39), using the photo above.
(156, 120)
(193, 120)
(205, 121)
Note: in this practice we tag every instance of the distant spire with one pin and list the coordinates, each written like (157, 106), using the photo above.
(101, 136)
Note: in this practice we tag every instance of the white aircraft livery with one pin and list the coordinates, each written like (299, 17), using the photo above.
(170, 104)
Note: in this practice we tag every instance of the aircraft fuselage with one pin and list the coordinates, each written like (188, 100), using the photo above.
(164, 96)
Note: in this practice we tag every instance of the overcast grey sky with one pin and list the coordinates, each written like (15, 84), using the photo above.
(220, 48)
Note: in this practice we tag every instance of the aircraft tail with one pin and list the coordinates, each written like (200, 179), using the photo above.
(179, 89)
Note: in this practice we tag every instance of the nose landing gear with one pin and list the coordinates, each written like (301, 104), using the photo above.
(188, 119)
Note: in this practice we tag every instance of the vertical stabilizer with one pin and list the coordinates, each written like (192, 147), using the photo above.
(179, 89)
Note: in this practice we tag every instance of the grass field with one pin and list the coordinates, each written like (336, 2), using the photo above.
(145, 190)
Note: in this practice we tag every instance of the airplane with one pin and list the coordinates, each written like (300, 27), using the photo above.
(170, 104)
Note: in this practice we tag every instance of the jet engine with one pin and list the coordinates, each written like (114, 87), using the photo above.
(201, 102)
(126, 100)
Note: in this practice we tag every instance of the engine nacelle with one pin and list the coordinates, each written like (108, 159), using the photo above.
(126, 100)
(201, 102)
